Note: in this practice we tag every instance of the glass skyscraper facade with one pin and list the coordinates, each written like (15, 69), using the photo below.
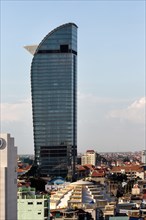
(54, 101)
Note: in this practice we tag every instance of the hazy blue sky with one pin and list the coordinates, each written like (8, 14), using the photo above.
(111, 69)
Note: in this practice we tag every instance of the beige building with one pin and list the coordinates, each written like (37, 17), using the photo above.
(131, 171)
(143, 157)
(8, 178)
(89, 158)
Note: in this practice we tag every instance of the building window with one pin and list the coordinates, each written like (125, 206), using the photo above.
(39, 213)
(39, 203)
(64, 48)
(30, 203)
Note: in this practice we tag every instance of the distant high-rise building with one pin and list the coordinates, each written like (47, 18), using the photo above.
(54, 98)
(143, 157)
(8, 178)
(89, 157)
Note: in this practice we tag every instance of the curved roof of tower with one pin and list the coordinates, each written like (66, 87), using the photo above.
(52, 32)
(34, 48)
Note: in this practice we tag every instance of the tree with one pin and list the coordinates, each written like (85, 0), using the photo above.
(126, 159)
(38, 184)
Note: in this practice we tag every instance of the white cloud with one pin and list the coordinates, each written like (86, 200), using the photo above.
(87, 97)
(13, 112)
(134, 112)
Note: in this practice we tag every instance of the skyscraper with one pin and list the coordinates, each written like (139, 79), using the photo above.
(8, 178)
(54, 98)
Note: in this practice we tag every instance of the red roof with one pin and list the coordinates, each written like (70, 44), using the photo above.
(128, 168)
(81, 168)
(20, 170)
(89, 166)
(97, 174)
(90, 151)
(27, 167)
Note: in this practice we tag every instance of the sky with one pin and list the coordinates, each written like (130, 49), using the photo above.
(111, 70)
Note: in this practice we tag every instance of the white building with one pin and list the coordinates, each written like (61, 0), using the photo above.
(143, 157)
(89, 158)
(8, 178)
(32, 206)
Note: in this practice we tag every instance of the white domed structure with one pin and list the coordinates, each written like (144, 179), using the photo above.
(78, 194)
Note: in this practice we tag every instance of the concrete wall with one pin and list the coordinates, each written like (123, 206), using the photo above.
(31, 209)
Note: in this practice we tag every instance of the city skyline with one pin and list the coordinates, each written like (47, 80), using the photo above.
(111, 70)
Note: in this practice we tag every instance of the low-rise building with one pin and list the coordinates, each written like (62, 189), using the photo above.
(31, 205)
(109, 210)
(132, 171)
